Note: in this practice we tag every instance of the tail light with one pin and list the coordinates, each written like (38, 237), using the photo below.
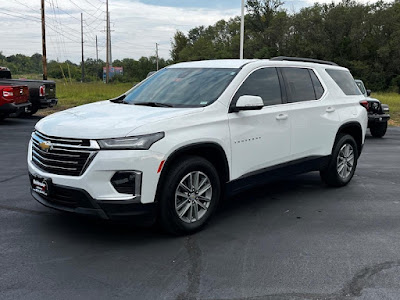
(42, 91)
(365, 104)
(8, 93)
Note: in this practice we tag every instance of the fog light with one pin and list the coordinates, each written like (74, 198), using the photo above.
(127, 182)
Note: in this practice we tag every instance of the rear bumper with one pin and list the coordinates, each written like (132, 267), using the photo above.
(376, 118)
(10, 108)
(44, 103)
(79, 201)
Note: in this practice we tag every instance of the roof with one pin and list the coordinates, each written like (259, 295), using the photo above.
(218, 63)
(239, 63)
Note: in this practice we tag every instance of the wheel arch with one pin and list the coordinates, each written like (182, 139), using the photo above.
(211, 151)
(355, 130)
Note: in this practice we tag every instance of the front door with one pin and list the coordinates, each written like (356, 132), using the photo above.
(259, 138)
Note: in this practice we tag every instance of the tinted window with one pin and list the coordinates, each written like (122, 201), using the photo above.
(5, 74)
(263, 83)
(299, 84)
(181, 87)
(361, 87)
(319, 90)
(345, 81)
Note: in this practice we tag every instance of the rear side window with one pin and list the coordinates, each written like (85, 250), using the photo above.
(318, 89)
(345, 81)
(299, 84)
(5, 74)
(263, 83)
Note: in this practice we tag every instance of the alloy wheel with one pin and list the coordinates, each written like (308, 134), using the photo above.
(193, 196)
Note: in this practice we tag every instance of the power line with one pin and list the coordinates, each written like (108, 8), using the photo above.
(86, 11)
(21, 17)
(27, 6)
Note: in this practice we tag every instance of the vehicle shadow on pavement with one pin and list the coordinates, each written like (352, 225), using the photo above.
(15, 122)
(273, 196)
(237, 206)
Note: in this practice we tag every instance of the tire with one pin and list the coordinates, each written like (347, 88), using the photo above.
(343, 162)
(30, 111)
(195, 208)
(2, 117)
(378, 130)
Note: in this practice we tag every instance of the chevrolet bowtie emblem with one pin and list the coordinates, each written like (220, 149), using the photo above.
(46, 146)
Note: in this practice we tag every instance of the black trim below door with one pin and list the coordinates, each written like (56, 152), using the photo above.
(262, 176)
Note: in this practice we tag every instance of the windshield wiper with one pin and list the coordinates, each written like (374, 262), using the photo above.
(154, 104)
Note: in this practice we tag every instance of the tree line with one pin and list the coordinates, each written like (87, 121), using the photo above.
(362, 37)
(134, 70)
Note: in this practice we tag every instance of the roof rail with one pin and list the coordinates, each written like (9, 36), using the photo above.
(311, 60)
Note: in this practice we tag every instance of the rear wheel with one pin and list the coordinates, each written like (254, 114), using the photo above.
(343, 162)
(2, 117)
(189, 195)
(379, 129)
(30, 110)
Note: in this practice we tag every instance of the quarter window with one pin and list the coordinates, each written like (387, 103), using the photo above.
(263, 83)
(319, 90)
(299, 84)
(345, 81)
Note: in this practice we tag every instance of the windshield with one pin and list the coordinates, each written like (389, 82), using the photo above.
(180, 87)
(361, 87)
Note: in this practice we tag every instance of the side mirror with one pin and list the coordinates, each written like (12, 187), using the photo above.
(248, 102)
(368, 93)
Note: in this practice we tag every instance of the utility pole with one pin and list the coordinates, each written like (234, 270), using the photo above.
(97, 50)
(109, 40)
(107, 44)
(44, 55)
(242, 32)
(83, 61)
(157, 54)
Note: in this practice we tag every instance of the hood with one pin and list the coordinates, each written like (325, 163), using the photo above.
(106, 119)
(372, 99)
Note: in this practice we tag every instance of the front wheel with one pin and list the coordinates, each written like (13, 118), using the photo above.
(343, 162)
(379, 129)
(189, 195)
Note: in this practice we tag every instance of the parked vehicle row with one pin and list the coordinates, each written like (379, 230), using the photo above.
(42, 93)
(175, 143)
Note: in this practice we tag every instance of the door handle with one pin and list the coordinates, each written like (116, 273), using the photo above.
(282, 117)
(330, 109)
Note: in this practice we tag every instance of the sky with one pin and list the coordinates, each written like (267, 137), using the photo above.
(137, 25)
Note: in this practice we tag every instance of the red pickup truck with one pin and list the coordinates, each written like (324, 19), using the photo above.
(13, 99)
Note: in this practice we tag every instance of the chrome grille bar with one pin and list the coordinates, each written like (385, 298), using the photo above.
(62, 156)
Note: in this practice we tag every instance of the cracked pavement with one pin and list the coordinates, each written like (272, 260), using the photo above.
(292, 239)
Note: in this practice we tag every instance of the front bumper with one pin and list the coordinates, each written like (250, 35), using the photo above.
(79, 201)
(377, 118)
(44, 102)
(96, 180)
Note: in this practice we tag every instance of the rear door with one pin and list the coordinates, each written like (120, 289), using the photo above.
(313, 115)
(259, 138)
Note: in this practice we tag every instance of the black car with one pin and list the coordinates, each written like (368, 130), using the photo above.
(378, 113)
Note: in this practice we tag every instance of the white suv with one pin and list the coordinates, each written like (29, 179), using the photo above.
(172, 145)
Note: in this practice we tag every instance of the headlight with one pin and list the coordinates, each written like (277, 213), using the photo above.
(142, 142)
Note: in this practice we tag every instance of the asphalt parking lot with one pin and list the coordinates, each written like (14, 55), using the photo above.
(295, 239)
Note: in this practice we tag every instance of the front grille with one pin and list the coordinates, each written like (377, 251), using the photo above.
(62, 156)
